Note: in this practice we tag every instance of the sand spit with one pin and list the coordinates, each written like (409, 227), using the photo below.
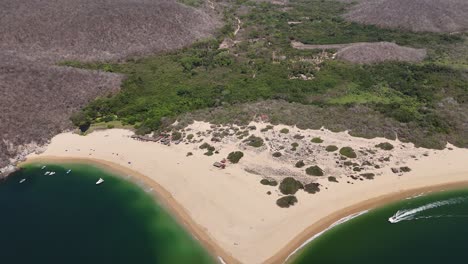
(231, 212)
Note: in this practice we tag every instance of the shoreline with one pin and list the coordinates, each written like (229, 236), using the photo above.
(236, 217)
(288, 252)
(159, 193)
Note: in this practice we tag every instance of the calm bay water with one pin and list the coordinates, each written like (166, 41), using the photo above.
(67, 218)
(430, 229)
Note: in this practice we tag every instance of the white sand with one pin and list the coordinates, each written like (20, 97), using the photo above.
(232, 207)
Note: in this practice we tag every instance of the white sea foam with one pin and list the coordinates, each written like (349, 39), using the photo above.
(339, 222)
(411, 214)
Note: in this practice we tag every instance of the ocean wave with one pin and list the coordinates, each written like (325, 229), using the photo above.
(411, 214)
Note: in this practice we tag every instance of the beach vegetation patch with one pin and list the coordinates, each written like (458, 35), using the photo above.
(176, 135)
(270, 182)
(405, 169)
(348, 152)
(277, 154)
(312, 187)
(369, 176)
(235, 156)
(286, 201)
(254, 141)
(331, 148)
(265, 129)
(298, 136)
(314, 171)
(299, 164)
(384, 146)
(284, 131)
(332, 179)
(316, 140)
(289, 185)
(81, 120)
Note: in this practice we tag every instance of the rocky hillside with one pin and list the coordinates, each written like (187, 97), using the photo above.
(414, 15)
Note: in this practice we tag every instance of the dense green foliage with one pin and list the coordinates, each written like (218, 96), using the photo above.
(235, 156)
(286, 201)
(289, 185)
(314, 171)
(348, 152)
(162, 87)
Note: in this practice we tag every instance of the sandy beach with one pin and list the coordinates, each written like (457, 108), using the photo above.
(230, 212)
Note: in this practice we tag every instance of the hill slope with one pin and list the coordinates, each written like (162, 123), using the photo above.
(413, 15)
(99, 29)
(37, 99)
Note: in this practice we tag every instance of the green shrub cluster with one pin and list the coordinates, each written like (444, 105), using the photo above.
(316, 140)
(286, 201)
(314, 171)
(384, 146)
(270, 182)
(312, 187)
(331, 148)
(277, 154)
(289, 185)
(254, 141)
(299, 164)
(235, 156)
(348, 152)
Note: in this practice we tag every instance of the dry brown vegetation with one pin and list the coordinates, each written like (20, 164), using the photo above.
(414, 15)
(99, 29)
(37, 99)
(365, 53)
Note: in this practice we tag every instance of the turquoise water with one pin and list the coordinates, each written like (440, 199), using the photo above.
(430, 229)
(67, 218)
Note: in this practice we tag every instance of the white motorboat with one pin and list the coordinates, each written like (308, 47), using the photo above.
(43, 167)
(99, 181)
(47, 173)
(52, 173)
(392, 219)
(68, 171)
(22, 180)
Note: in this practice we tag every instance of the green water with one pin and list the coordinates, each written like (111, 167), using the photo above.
(433, 230)
(67, 218)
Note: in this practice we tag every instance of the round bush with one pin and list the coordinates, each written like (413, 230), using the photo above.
(277, 154)
(284, 130)
(300, 164)
(314, 171)
(316, 140)
(290, 185)
(286, 201)
(348, 152)
(331, 148)
(235, 156)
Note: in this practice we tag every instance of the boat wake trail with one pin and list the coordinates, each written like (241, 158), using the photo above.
(412, 214)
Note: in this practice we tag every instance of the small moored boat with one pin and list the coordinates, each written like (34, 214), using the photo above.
(99, 181)
(68, 171)
(47, 173)
(22, 180)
